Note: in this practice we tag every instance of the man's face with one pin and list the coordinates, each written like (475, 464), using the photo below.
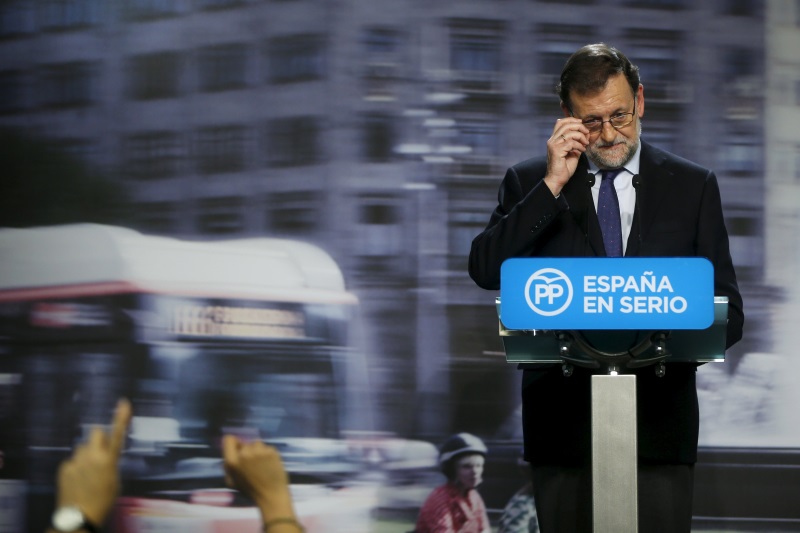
(469, 470)
(611, 147)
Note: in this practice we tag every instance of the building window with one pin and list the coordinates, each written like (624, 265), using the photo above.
(740, 156)
(154, 76)
(463, 225)
(293, 214)
(221, 215)
(296, 58)
(12, 92)
(223, 67)
(381, 47)
(563, 39)
(746, 243)
(67, 14)
(739, 63)
(482, 137)
(742, 225)
(657, 52)
(69, 85)
(742, 8)
(218, 4)
(380, 235)
(222, 149)
(476, 46)
(294, 142)
(378, 138)
(658, 56)
(659, 66)
(381, 41)
(742, 83)
(150, 9)
(558, 42)
(154, 155)
(657, 4)
(16, 17)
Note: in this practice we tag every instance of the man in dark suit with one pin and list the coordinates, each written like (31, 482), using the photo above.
(548, 207)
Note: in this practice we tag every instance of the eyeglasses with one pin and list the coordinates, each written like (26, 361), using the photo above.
(620, 120)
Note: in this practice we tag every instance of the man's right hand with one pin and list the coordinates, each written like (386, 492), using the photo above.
(564, 148)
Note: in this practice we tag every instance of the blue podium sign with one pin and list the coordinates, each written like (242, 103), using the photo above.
(591, 293)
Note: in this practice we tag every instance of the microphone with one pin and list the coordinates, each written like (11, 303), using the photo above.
(590, 184)
(637, 185)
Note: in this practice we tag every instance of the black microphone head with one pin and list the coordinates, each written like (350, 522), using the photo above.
(637, 185)
(590, 179)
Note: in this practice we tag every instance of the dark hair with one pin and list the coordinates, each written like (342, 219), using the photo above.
(587, 71)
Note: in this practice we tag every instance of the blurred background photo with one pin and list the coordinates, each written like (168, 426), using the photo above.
(254, 217)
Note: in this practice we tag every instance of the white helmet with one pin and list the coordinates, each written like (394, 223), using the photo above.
(460, 444)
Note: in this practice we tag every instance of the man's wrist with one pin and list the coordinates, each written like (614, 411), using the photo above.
(282, 523)
(555, 189)
(276, 506)
(72, 519)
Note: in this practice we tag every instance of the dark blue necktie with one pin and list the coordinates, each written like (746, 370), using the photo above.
(608, 214)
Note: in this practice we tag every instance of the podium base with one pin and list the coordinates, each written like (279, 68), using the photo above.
(614, 454)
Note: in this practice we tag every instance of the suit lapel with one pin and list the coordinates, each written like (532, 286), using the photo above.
(579, 197)
(655, 181)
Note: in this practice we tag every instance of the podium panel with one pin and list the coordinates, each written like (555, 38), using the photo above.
(685, 346)
(543, 295)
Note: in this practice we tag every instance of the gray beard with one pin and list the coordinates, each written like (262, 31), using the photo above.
(615, 162)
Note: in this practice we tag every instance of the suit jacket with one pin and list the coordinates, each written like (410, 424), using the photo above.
(678, 213)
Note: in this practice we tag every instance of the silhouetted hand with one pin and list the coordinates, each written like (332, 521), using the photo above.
(257, 470)
(89, 479)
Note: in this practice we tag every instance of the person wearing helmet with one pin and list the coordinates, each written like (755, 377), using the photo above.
(456, 507)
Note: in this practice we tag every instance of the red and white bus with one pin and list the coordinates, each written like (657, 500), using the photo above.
(246, 336)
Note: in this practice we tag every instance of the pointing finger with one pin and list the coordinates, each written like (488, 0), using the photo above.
(230, 447)
(119, 425)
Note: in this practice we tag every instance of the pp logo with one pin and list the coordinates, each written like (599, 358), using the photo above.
(548, 292)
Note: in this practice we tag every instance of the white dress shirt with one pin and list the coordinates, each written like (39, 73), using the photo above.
(626, 194)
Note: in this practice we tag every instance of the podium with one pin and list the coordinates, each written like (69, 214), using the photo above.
(610, 353)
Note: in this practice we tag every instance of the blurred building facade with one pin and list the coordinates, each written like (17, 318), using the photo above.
(380, 130)
(782, 150)
(782, 139)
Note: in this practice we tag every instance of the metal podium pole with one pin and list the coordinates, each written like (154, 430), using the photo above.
(614, 481)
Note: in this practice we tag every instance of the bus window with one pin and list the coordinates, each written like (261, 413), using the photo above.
(248, 390)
